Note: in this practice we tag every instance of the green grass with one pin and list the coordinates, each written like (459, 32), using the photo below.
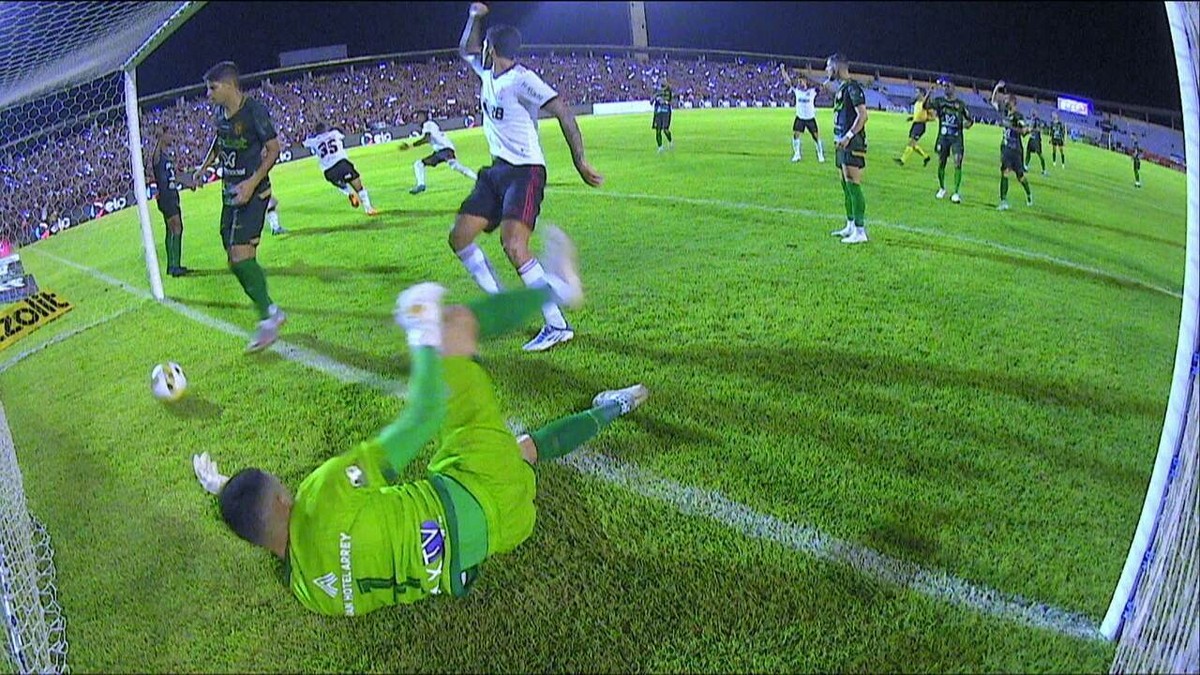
(946, 401)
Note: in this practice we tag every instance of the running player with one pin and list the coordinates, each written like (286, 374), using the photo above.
(664, 98)
(162, 162)
(354, 541)
(1034, 145)
(1058, 136)
(327, 145)
(508, 194)
(1010, 145)
(1137, 164)
(919, 116)
(850, 132)
(443, 151)
(247, 146)
(806, 113)
(953, 120)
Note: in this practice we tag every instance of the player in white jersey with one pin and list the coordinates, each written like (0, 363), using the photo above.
(443, 151)
(327, 144)
(508, 194)
(806, 113)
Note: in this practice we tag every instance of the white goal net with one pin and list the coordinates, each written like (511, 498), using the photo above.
(1155, 611)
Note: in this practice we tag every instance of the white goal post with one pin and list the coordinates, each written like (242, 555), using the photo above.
(1155, 610)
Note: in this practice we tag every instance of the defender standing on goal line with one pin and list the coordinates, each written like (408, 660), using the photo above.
(850, 133)
(508, 194)
(351, 540)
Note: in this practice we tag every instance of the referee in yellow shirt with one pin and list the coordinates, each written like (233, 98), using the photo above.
(920, 115)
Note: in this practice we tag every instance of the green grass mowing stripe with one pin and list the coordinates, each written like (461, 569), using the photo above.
(695, 501)
(1122, 279)
(61, 337)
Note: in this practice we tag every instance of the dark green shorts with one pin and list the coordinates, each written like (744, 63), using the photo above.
(1011, 160)
(949, 145)
(855, 154)
(241, 225)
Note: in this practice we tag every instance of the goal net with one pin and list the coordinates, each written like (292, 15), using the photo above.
(70, 151)
(1155, 611)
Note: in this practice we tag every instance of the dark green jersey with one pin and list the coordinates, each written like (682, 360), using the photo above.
(849, 96)
(164, 176)
(1137, 155)
(952, 116)
(1014, 128)
(1058, 131)
(240, 140)
(663, 99)
(1035, 131)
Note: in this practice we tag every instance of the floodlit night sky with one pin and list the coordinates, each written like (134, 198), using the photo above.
(1109, 51)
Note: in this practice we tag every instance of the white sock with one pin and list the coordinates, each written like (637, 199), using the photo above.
(366, 201)
(477, 263)
(796, 146)
(820, 148)
(273, 219)
(454, 164)
(535, 277)
(419, 169)
(345, 189)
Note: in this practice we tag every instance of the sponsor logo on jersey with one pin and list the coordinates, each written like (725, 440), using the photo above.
(433, 549)
(328, 583)
(347, 575)
(355, 474)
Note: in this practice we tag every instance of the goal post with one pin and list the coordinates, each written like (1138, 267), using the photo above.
(1155, 612)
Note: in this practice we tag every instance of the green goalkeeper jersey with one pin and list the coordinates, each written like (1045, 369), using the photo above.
(357, 543)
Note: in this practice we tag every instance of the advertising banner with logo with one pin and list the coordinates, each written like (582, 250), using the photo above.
(30, 314)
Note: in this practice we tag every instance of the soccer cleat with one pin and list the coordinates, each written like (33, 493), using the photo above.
(859, 237)
(926, 162)
(661, 149)
(561, 263)
(354, 200)
(417, 190)
(845, 231)
(547, 337)
(898, 161)
(178, 271)
(955, 198)
(419, 313)
(1003, 205)
(670, 145)
(277, 229)
(268, 331)
(795, 158)
(820, 159)
(372, 212)
(1044, 173)
(1137, 183)
(941, 193)
(629, 398)
(1026, 168)
(1029, 200)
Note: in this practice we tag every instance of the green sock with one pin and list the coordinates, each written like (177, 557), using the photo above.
(561, 436)
(957, 178)
(942, 175)
(667, 133)
(1003, 188)
(499, 313)
(174, 249)
(658, 137)
(1043, 160)
(1025, 184)
(254, 282)
(860, 204)
(849, 199)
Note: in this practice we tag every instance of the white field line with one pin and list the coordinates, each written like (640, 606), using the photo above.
(61, 337)
(1032, 255)
(713, 505)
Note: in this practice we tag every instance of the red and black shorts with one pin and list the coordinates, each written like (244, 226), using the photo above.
(800, 125)
(506, 191)
(341, 173)
(443, 155)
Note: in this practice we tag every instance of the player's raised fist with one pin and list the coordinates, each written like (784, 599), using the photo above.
(478, 9)
(1000, 84)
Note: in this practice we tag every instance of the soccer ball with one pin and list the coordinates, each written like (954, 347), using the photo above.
(167, 382)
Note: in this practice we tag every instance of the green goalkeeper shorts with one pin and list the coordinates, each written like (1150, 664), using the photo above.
(477, 449)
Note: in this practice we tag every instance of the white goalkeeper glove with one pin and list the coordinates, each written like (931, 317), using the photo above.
(419, 313)
(208, 475)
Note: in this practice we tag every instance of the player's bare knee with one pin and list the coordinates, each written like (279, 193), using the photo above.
(528, 449)
(460, 331)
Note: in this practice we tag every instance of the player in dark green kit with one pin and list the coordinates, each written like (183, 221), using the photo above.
(850, 135)
(162, 164)
(246, 146)
(953, 118)
(1058, 136)
(352, 539)
(1136, 154)
(1034, 145)
(1011, 160)
(664, 98)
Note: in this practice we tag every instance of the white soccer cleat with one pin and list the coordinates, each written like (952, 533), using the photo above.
(268, 330)
(820, 159)
(1003, 205)
(1029, 200)
(547, 337)
(941, 194)
(419, 313)
(561, 263)
(955, 198)
(629, 398)
(661, 149)
(859, 237)
(845, 231)
(795, 158)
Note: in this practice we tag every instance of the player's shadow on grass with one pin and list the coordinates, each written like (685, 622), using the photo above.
(398, 218)
(329, 273)
(1064, 219)
(1020, 261)
(194, 407)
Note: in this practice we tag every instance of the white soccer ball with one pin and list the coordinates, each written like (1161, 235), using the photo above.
(167, 382)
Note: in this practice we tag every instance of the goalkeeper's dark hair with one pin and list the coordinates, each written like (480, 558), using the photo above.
(242, 501)
(506, 40)
(320, 128)
(225, 71)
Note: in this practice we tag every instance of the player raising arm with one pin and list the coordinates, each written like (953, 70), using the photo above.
(1011, 159)
(806, 113)
(508, 194)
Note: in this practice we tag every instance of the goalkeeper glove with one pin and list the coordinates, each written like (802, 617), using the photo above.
(206, 472)
(419, 313)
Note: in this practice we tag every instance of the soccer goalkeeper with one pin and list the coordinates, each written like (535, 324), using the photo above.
(354, 541)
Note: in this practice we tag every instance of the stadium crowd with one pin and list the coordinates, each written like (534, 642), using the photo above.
(64, 172)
